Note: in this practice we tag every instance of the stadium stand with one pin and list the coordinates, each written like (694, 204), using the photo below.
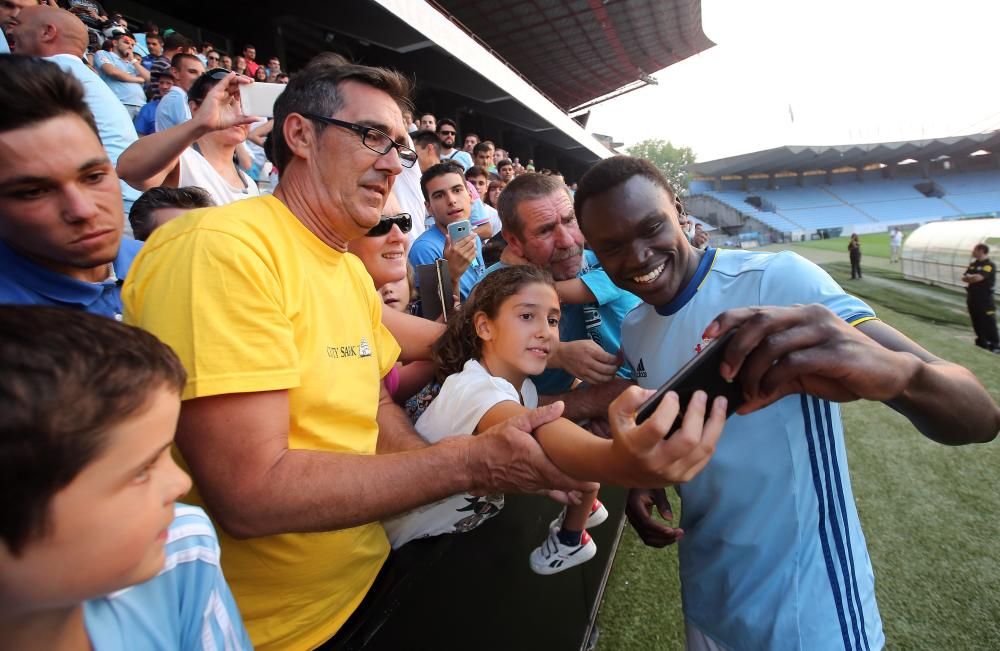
(783, 189)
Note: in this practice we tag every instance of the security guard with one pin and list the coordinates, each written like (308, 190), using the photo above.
(980, 278)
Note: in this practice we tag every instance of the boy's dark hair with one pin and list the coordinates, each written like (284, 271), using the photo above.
(504, 163)
(460, 343)
(526, 187)
(140, 217)
(33, 91)
(316, 89)
(425, 137)
(434, 171)
(476, 171)
(612, 172)
(176, 40)
(178, 59)
(68, 377)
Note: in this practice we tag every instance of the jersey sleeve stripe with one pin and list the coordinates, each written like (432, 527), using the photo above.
(859, 320)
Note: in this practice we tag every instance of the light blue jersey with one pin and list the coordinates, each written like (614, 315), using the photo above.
(129, 93)
(773, 555)
(600, 321)
(430, 246)
(186, 606)
(173, 109)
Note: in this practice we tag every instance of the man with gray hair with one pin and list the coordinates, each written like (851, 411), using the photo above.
(541, 229)
(295, 446)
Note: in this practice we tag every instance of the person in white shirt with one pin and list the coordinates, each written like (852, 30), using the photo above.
(200, 151)
(895, 244)
(447, 131)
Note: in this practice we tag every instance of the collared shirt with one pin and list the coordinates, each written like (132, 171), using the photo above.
(26, 283)
(129, 93)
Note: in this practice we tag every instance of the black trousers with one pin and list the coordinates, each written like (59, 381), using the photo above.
(855, 265)
(984, 322)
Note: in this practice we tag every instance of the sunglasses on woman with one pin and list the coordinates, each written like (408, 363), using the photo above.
(386, 223)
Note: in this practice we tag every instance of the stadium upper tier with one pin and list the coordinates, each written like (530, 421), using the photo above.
(866, 205)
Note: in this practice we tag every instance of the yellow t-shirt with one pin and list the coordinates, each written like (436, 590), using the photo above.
(252, 301)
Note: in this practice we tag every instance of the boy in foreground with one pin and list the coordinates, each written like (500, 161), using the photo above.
(94, 552)
(773, 556)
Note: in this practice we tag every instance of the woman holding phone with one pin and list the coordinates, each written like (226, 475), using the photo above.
(200, 152)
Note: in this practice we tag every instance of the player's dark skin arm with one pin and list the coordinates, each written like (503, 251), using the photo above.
(779, 351)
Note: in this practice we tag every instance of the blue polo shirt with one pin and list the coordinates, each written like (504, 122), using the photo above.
(25, 283)
(430, 246)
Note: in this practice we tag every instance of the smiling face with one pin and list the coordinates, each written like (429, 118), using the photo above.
(448, 199)
(550, 237)
(110, 523)
(396, 295)
(518, 341)
(384, 256)
(62, 210)
(634, 229)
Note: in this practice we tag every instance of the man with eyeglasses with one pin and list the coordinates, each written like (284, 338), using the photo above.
(447, 131)
(295, 447)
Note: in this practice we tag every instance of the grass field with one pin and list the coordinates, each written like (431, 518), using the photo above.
(929, 511)
(873, 244)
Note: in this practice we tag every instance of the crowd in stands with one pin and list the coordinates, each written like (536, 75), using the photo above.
(167, 287)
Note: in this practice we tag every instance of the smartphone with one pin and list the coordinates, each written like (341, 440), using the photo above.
(702, 372)
(459, 231)
(258, 98)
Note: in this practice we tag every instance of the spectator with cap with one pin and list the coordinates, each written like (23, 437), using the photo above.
(122, 70)
(60, 214)
(174, 109)
(198, 152)
(145, 122)
(60, 37)
(447, 131)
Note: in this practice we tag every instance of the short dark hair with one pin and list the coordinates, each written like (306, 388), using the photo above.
(179, 58)
(153, 37)
(471, 134)
(434, 171)
(69, 376)
(248, 46)
(316, 89)
(524, 188)
(423, 113)
(475, 171)
(504, 163)
(444, 121)
(612, 172)
(176, 40)
(140, 217)
(982, 247)
(34, 90)
(425, 137)
(482, 147)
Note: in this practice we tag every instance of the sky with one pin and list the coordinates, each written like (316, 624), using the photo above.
(849, 72)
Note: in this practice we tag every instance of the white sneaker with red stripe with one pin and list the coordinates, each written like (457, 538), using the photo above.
(553, 556)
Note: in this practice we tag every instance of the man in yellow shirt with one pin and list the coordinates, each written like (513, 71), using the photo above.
(295, 447)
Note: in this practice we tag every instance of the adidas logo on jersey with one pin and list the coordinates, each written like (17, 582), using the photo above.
(640, 370)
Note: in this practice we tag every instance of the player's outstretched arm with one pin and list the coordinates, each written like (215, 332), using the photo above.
(779, 351)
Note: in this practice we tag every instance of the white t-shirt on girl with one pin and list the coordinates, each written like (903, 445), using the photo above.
(462, 402)
(195, 170)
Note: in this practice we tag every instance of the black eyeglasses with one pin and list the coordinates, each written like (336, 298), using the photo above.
(378, 141)
(402, 220)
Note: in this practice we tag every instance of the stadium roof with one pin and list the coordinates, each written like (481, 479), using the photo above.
(577, 50)
(807, 159)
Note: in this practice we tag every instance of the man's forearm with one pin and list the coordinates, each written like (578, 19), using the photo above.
(588, 401)
(395, 431)
(948, 405)
(308, 490)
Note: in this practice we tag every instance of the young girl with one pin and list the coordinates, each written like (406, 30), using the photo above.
(503, 334)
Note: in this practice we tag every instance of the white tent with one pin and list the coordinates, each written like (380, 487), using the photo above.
(938, 253)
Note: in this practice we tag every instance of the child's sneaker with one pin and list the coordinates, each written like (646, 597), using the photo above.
(598, 514)
(553, 556)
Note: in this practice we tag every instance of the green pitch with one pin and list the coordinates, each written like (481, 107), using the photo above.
(929, 512)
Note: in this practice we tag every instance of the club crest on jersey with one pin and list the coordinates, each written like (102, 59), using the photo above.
(704, 342)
